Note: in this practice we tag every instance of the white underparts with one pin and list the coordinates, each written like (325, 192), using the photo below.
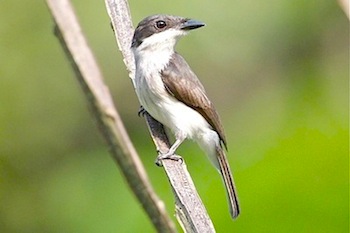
(151, 57)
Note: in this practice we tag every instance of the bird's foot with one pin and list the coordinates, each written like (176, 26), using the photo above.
(168, 155)
(141, 112)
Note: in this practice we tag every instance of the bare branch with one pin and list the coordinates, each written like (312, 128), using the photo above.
(101, 104)
(120, 16)
(190, 210)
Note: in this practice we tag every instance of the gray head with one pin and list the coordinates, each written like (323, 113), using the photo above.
(160, 28)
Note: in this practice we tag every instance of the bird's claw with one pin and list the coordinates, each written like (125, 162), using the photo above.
(168, 155)
(141, 112)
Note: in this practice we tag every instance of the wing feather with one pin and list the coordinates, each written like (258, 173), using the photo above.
(180, 81)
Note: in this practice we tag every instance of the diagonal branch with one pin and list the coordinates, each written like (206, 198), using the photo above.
(101, 104)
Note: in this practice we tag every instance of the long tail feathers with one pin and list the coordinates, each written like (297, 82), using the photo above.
(228, 181)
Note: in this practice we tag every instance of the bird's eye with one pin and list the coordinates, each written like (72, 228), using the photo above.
(160, 24)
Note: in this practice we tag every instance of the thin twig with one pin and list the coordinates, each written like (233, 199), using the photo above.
(190, 210)
(101, 104)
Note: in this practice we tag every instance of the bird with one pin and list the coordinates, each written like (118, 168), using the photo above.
(171, 93)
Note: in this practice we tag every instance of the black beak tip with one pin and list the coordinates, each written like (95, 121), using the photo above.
(191, 24)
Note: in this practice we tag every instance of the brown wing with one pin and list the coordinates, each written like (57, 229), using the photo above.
(180, 81)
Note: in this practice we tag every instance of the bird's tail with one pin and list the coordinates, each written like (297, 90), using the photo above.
(227, 177)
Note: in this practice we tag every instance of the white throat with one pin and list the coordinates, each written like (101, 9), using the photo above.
(154, 53)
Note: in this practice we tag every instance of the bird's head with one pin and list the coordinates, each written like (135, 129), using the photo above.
(158, 32)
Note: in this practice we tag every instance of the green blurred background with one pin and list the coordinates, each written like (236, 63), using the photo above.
(276, 70)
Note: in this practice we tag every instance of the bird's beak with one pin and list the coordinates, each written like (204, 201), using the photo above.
(191, 24)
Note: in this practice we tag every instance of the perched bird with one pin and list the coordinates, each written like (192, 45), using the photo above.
(171, 93)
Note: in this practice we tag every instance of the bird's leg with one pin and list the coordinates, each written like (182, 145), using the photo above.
(171, 153)
(141, 112)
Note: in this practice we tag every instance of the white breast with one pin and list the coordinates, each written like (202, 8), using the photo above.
(155, 99)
